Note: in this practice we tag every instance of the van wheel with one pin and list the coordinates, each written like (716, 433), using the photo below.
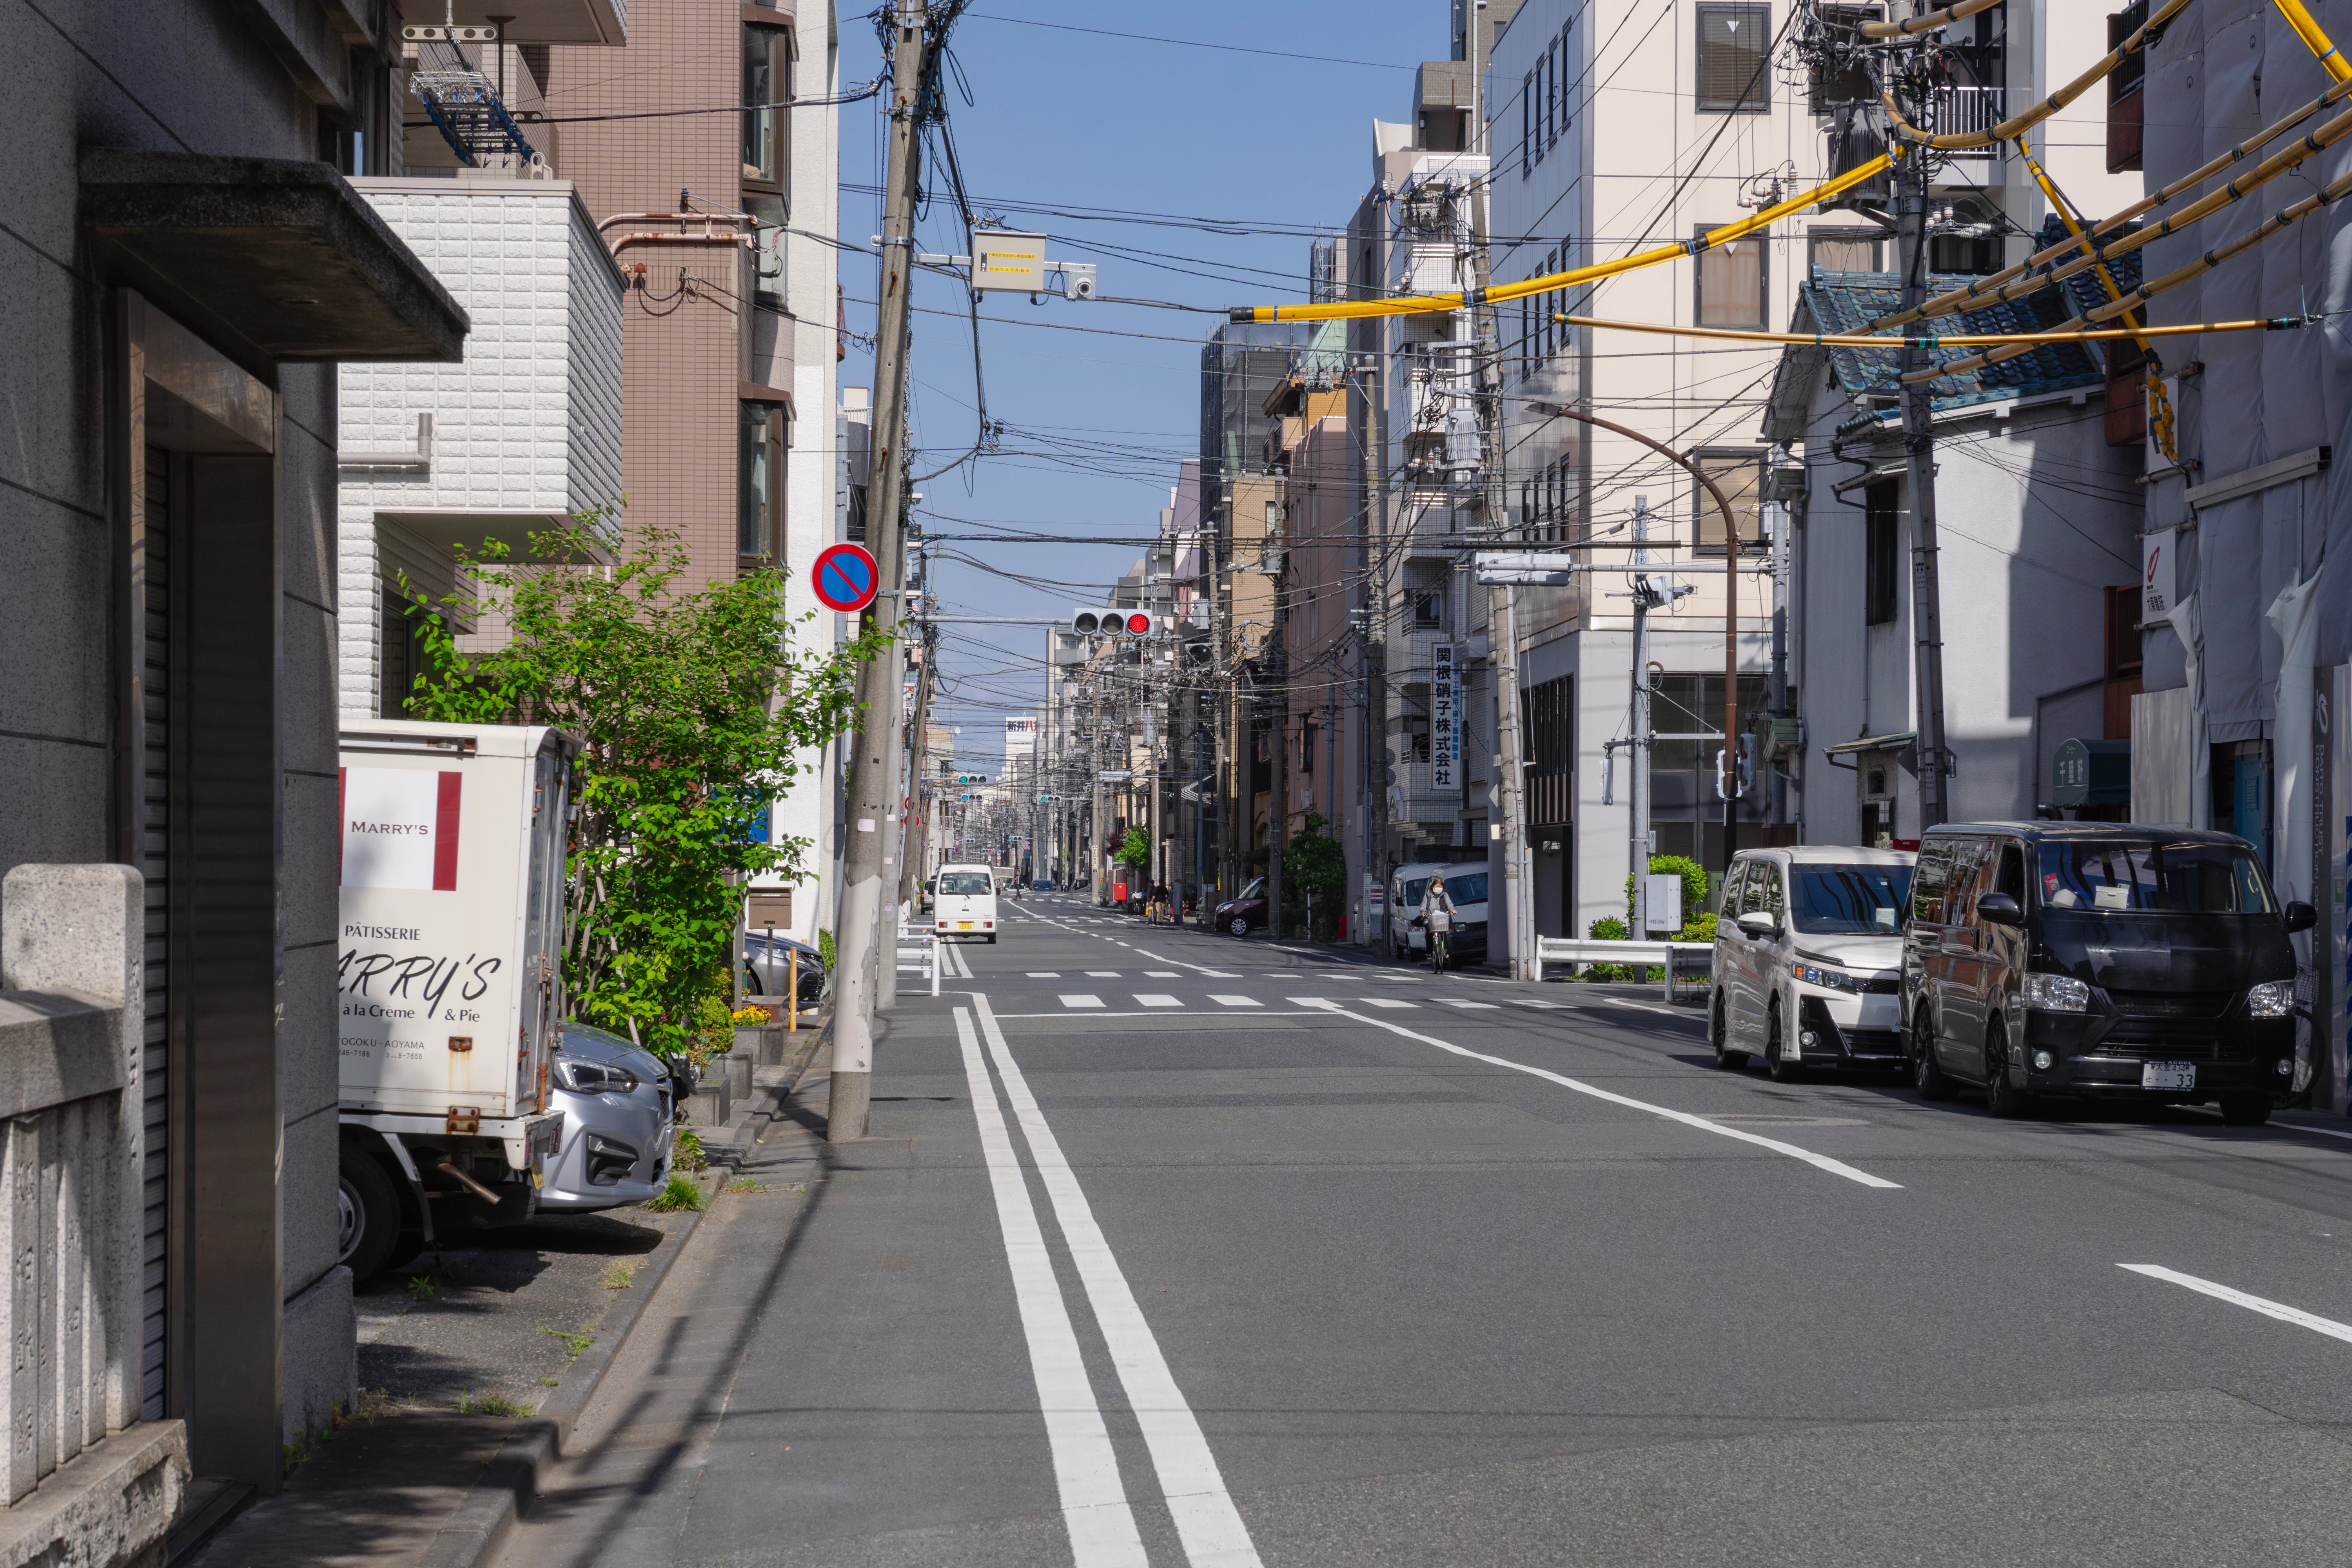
(2245, 1109)
(1926, 1075)
(367, 1215)
(1720, 1037)
(1782, 1060)
(2002, 1097)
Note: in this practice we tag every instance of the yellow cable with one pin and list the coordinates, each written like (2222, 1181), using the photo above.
(1928, 23)
(1991, 289)
(2330, 58)
(1417, 304)
(2022, 340)
(2008, 129)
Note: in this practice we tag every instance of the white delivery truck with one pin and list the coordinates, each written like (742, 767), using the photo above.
(450, 985)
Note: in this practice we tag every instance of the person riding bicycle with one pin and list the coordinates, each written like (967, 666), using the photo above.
(1437, 916)
(1157, 905)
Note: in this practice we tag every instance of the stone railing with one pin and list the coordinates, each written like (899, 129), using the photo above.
(71, 1006)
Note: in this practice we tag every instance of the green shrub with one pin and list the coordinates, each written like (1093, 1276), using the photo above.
(682, 1193)
(825, 948)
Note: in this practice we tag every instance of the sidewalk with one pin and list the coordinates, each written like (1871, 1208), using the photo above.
(412, 1480)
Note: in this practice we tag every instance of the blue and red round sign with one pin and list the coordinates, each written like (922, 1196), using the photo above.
(845, 578)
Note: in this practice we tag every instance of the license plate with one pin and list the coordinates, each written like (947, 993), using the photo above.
(963, 925)
(2167, 1075)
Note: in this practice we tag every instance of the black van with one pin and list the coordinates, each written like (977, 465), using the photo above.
(2099, 960)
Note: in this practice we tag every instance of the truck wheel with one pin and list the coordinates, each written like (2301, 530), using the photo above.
(367, 1215)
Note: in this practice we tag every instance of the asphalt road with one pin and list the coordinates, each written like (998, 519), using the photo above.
(1170, 1249)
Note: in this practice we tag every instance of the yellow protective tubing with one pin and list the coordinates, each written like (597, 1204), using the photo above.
(2008, 129)
(2021, 342)
(2330, 58)
(1928, 23)
(2334, 191)
(1991, 287)
(1417, 304)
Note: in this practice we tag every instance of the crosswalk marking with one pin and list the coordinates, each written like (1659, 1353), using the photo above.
(1451, 1002)
(1155, 999)
(1385, 1002)
(1082, 1002)
(1102, 974)
(1237, 1001)
(1219, 975)
(1161, 975)
(1044, 974)
(1309, 1001)
(1552, 1006)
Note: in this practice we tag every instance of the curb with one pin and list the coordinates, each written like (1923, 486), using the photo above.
(480, 1524)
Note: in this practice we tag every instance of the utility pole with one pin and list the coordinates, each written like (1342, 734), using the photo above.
(1919, 457)
(868, 931)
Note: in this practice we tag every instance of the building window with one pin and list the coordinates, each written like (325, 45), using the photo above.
(1845, 249)
(1730, 281)
(1528, 126)
(1428, 609)
(760, 508)
(1739, 474)
(1733, 57)
(1881, 593)
(1970, 254)
(767, 84)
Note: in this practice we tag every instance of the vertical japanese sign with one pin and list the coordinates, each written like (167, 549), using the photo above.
(2156, 579)
(1445, 719)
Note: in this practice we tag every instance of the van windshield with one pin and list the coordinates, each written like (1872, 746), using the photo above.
(2109, 877)
(965, 884)
(1466, 888)
(1414, 887)
(1849, 900)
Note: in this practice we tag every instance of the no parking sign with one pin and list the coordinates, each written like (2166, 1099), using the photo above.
(845, 577)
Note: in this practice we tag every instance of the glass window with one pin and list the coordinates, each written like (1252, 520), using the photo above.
(1845, 249)
(1765, 888)
(1881, 554)
(1734, 55)
(1928, 880)
(764, 68)
(1730, 280)
(759, 531)
(2112, 877)
(1414, 888)
(1850, 900)
(1730, 908)
(1257, 890)
(1960, 892)
(966, 884)
(1740, 477)
(1466, 888)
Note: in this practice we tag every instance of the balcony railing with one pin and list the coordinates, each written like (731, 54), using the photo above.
(1969, 110)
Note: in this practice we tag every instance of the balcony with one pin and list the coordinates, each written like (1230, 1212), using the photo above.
(543, 21)
(1969, 111)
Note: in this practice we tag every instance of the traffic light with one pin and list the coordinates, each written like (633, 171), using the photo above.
(1117, 623)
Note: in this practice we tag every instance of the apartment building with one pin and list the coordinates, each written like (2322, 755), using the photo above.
(709, 199)
(2246, 641)
(1609, 138)
(191, 263)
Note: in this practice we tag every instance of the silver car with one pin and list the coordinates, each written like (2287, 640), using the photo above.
(617, 1102)
(1808, 960)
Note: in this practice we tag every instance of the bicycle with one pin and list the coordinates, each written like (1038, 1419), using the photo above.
(1439, 959)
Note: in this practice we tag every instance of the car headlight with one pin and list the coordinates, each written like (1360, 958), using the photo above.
(1830, 979)
(2271, 999)
(2057, 993)
(581, 1076)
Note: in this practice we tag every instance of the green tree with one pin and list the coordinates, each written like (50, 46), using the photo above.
(1135, 850)
(694, 711)
(1317, 869)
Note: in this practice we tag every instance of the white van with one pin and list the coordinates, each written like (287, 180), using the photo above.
(964, 904)
(1808, 960)
(1408, 884)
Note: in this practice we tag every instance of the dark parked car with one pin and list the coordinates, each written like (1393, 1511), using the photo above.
(2100, 961)
(1244, 913)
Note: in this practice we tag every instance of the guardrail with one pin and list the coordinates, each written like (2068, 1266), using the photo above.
(1666, 955)
(926, 945)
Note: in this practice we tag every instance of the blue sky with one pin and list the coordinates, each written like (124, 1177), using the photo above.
(1099, 422)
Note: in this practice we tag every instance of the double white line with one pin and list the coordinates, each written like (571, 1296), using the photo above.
(1094, 1501)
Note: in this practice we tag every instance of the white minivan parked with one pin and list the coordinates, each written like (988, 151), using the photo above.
(1808, 960)
(965, 902)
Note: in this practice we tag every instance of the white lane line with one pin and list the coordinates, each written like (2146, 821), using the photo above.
(1082, 1002)
(1384, 1002)
(1237, 1001)
(1182, 964)
(1085, 1468)
(2279, 1310)
(1044, 974)
(1156, 999)
(1549, 1006)
(1102, 974)
(1455, 1002)
(1310, 1001)
(1820, 1161)
(1188, 1020)
(1161, 975)
(1206, 1521)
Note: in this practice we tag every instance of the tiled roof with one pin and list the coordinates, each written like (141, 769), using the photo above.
(2082, 290)
(1845, 302)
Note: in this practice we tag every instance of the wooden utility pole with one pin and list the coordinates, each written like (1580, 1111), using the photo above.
(868, 936)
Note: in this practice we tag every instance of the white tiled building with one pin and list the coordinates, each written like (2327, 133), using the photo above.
(524, 431)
